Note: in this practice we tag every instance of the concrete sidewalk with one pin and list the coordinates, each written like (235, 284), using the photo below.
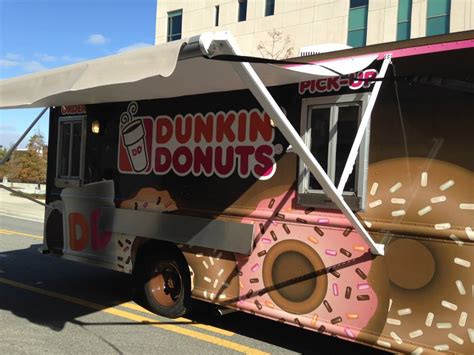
(26, 188)
(20, 207)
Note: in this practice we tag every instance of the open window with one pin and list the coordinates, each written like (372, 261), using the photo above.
(70, 153)
(328, 127)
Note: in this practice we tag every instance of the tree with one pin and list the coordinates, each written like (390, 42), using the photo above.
(27, 165)
(11, 168)
(32, 167)
(276, 47)
(3, 168)
(36, 143)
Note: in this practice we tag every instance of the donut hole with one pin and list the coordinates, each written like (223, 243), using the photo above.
(287, 267)
(410, 264)
(293, 270)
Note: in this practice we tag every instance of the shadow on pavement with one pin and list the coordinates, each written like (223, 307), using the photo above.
(28, 267)
(108, 288)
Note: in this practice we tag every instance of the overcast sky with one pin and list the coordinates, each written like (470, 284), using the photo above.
(38, 35)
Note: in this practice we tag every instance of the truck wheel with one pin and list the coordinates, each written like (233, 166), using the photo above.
(167, 285)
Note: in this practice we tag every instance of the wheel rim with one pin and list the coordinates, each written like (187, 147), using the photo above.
(166, 284)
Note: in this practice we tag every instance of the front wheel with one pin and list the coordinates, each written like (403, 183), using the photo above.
(167, 285)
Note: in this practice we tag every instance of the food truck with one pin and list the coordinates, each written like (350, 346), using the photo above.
(333, 192)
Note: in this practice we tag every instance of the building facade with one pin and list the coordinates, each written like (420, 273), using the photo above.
(279, 28)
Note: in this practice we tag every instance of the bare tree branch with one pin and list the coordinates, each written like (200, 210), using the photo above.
(276, 47)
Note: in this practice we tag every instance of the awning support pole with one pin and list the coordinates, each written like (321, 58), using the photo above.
(362, 126)
(223, 43)
(6, 158)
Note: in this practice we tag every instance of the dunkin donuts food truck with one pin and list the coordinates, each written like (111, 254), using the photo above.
(333, 192)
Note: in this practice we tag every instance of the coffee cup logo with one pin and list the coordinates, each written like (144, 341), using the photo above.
(133, 136)
(135, 142)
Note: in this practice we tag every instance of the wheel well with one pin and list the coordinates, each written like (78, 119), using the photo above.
(54, 231)
(145, 248)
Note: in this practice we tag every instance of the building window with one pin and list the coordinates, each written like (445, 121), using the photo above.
(175, 21)
(329, 126)
(404, 20)
(70, 149)
(437, 21)
(242, 10)
(269, 7)
(357, 29)
(216, 15)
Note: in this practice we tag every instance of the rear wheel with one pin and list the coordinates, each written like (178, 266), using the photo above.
(167, 285)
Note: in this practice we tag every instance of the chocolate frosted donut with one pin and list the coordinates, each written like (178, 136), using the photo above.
(214, 273)
(149, 198)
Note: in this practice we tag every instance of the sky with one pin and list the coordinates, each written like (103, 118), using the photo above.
(39, 35)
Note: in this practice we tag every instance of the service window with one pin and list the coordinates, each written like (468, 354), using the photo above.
(70, 158)
(329, 126)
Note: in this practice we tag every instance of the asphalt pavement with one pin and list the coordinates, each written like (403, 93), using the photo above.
(50, 305)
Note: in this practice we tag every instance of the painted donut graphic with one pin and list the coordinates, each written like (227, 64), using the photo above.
(306, 272)
(214, 273)
(289, 260)
(420, 195)
(147, 198)
(431, 279)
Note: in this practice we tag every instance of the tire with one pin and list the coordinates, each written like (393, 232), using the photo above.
(167, 284)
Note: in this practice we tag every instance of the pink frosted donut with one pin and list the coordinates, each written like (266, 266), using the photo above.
(306, 272)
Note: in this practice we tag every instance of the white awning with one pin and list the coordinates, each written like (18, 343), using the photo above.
(171, 70)
(168, 70)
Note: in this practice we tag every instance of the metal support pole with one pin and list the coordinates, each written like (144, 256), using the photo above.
(224, 43)
(363, 125)
(6, 158)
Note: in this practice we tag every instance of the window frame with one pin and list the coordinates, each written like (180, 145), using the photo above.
(172, 14)
(68, 180)
(317, 198)
(366, 20)
(446, 15)
(242, 11)
(267, 8)
(404, 21)
(217, 10)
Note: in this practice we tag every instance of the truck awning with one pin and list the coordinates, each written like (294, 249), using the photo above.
(179, 69)
(167, 70)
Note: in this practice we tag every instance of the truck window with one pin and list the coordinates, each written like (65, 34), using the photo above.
(328, 127)
(70, 147)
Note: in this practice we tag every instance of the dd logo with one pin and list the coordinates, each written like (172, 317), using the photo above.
(136, 151)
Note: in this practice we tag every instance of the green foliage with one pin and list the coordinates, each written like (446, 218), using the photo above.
(3, 168)
(27, 165)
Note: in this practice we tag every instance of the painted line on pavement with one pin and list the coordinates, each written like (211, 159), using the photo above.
(10, 232)
(140, 319)
(134, 306)
(24, 218)
(210, 328)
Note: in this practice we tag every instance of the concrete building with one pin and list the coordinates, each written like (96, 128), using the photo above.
(298, 23)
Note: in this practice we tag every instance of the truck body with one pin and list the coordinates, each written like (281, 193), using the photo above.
(211, 175)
